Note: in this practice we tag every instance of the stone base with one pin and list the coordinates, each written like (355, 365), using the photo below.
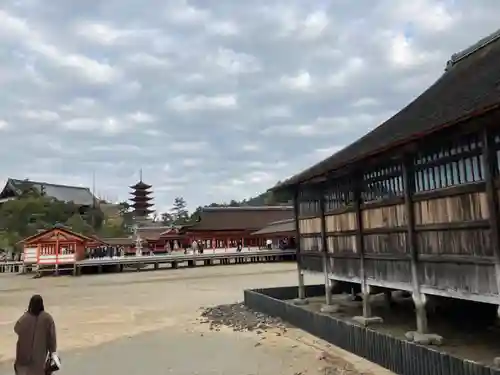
(496, 362)
(329, 309)
(424, 338)
(368, 321)
(300, 301)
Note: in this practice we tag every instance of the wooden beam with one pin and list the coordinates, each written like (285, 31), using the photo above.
(490, 173)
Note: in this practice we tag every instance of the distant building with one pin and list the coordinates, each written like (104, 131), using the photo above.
(81, 196)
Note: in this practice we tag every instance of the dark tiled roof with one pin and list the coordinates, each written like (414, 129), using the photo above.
(240, 218)
(125, 241)
(470, 86)
(151, 233)
(81, 196)
(277, 227)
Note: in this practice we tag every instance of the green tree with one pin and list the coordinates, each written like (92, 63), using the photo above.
(166, 218)
(179, 211)
(111, 230)
(78, 224)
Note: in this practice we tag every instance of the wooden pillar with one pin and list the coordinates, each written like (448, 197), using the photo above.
(411, 241)
(490, 174)
(367, 317)
(326, 260)
(301, 288)
(358, 188)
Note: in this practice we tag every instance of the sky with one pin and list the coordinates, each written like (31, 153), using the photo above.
(213, 99)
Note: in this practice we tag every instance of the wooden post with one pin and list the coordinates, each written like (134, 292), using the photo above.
(421, 336)
(490, 173)
(301, 288)
(411, 241)
(367, 317)
(328, 307)
(360, 244)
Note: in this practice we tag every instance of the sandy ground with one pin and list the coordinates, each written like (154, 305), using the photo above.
(132, 322)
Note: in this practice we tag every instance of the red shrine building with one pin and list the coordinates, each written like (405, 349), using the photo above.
(56, 246)
(225, 227)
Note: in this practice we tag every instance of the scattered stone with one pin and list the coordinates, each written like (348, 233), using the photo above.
(321, 356)
(240, 318)
(496, 362)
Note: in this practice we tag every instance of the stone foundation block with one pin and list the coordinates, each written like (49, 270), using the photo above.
(424, 338)
(368, 321)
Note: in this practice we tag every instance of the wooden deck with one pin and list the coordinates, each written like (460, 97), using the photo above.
(138, 263)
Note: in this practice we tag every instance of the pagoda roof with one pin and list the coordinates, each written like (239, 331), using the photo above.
(141, 202)
(141, 186)
(141, 199)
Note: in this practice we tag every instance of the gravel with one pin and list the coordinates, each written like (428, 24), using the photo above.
(240, 318)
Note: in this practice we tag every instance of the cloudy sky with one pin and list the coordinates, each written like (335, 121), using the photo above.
(214, 99)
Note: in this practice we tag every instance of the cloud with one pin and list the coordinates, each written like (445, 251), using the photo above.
(41, 115)
(184, 103)
(212, 101)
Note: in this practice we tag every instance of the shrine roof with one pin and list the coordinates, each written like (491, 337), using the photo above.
(81, 196)
(240, 218)
(60, 228)
(125, 241)
(152, 233)
(468, 88)
(276, 227)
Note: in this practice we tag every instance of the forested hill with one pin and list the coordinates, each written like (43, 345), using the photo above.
(267, 198)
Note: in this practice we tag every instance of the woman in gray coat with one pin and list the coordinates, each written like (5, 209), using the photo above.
(36, 334)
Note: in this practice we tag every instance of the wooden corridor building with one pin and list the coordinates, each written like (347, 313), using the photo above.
(414, 204)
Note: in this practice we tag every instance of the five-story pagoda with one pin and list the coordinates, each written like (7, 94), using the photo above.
(141, 198)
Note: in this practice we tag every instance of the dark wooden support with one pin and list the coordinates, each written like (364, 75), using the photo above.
(490, 173)
(365, 289)
(324, 248)
(418, 298)
(301, 289)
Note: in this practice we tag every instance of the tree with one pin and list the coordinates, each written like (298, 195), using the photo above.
(166, 218)
(113, 230)
(179, 211)
(79, 225)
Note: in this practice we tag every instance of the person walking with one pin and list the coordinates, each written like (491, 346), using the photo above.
(36, 341)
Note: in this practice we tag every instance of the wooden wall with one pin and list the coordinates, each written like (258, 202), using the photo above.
(450, 213)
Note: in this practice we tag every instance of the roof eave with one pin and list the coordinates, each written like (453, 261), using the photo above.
(302, 177)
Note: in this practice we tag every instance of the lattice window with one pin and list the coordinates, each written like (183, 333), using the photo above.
(309, 203)
(460, 162)
(338, 194)
(383, 183)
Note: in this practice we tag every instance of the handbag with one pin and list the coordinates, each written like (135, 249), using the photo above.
(52, 364)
